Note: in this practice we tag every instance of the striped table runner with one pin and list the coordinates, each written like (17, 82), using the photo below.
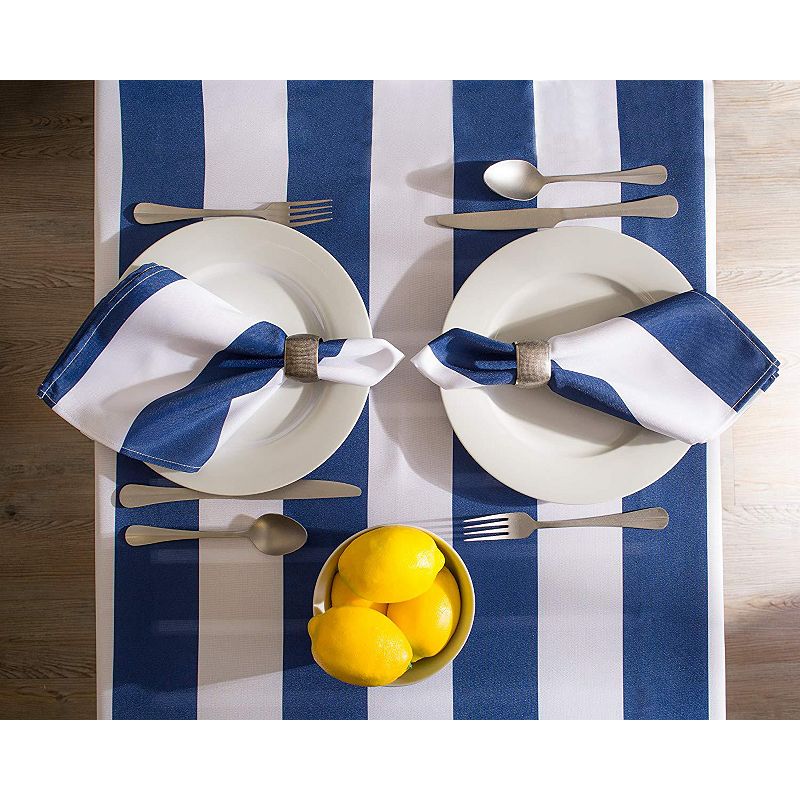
(608, 624)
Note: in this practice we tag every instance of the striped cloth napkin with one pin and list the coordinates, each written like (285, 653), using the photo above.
(685, 366)
(163, 371)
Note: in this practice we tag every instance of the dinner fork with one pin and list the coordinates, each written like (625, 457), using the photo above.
(518, 525)
(295, 213)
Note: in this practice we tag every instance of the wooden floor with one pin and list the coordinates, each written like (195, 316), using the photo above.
(758, 274)
(46, 468)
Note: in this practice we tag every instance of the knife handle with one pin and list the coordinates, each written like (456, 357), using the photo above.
(134, 495)
(661, 207)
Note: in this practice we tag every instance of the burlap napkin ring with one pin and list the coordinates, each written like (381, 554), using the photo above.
(300, 357)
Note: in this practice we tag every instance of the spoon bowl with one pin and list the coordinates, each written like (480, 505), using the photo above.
(277, 534)
(517, 179)
(514, 179)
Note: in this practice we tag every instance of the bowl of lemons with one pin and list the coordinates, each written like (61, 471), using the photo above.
(392, 606)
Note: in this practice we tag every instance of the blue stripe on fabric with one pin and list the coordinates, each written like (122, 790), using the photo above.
(589, 391)
(489, 362)
(181, 430)
(711, 342)
(330, 348)
(665, 589)
(156, 587)
(665, 593)
(100, 327)
(495, 676)
(330, 148)
(492, 120)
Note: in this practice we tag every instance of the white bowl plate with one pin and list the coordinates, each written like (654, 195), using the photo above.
(543, 445)
(286, 278)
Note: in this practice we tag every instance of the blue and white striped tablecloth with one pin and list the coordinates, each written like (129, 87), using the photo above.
(611, 624)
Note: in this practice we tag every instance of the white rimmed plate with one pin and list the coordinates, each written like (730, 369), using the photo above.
(286, 278)
(546, 283)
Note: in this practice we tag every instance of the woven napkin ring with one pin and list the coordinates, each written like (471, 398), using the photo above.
(533, 363)
(300, 357)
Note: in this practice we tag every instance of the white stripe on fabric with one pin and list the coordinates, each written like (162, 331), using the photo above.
(105, 487)
(716, 631)
(580, 579)
(411, 287)
(660, 392)
(247, 142)
(360, 362)
(580, 616)
(577, 132)
(129, 373)
(430, 366)
(108, 186)
(108, 190)
(240, 641)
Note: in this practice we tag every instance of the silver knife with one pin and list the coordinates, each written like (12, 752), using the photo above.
(663, 207)
(134, 495)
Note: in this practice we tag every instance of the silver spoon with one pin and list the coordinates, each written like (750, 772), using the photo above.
(520, 180)
(273, 534)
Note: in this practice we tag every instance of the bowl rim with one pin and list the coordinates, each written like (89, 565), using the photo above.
(425, 667)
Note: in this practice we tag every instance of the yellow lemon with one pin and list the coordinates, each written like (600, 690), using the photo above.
(391, 564)
(343, 595)
(359, 645)
(430, 619)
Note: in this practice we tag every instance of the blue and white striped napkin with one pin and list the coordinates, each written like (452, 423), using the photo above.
(163, 371)
(685, 366)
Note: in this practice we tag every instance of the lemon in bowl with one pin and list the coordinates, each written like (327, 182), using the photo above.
(429, 630)
(430, 619)
(343, 595)
(359, 645)
(391, 563)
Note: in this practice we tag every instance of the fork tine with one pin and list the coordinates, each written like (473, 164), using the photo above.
(321, 211)
(487, 530)
(293, 203)
(309, 222)
(486, 518)
(304, 209)
(476, 528)
(487, 538)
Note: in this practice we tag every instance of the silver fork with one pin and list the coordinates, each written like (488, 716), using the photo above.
(518, 525)
(295, 213)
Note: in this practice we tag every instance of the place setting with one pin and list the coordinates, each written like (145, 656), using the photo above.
(576, 366)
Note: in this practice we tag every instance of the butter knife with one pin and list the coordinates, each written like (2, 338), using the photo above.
(134, 495)
(662, 207)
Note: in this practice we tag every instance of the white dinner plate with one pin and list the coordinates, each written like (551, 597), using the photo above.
(543, 445)
(286, 278)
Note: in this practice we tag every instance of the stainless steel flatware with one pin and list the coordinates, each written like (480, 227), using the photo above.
(295, 213)
(273, 534)
(518, 525)
(520, 180)
(134, 495)
(661, 207)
